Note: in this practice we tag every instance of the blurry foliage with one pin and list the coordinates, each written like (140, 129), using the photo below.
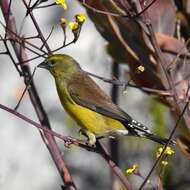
(156, 40)
(131, 41)
(158, 112)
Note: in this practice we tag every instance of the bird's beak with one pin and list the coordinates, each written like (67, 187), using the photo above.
(44, 66)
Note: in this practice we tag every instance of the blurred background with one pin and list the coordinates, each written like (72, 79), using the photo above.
(25, 162)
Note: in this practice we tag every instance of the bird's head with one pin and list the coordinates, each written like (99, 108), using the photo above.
(60, 65)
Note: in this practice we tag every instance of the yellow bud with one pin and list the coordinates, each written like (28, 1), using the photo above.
(164, 162)
(132, 169)
(159, 152)
(169, 151)
(80, 18)
(73, 26)
(63, 22)
(62, 3)
(141, 68)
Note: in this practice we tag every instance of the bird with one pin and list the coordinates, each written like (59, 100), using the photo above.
(89, 105)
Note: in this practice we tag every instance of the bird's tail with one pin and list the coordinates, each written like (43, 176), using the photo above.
(137, 129)
(158, 139)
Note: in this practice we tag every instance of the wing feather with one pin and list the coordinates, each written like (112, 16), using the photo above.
(85, 92)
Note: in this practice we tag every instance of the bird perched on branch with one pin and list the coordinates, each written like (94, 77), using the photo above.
(89, 105)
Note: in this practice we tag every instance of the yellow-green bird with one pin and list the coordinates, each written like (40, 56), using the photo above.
(89, 105)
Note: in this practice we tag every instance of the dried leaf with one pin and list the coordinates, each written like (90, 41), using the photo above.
(184, 145)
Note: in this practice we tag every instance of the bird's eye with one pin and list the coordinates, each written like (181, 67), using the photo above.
(51, 63)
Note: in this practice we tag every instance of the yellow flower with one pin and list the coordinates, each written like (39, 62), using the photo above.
(132, 169)
(158, 153)
(73, 25)
(164, 162)
(169, 151)
(80, 18)
(62, 3)
(141, 68)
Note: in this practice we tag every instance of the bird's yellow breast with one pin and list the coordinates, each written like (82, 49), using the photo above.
(86, 118)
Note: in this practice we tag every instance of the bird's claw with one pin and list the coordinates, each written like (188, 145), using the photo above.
(82, 132)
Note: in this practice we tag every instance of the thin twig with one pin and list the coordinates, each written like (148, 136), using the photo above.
(38, 28)
(66, 139)
(11, 57)
(19, 40)
(160, 58)
(114, 143)
(115, 168)
(124, 83)
(165, 146)
(25, 90)
(70, 140)
(47, 38)
(48, 139)
(179, 54)
(128, 16)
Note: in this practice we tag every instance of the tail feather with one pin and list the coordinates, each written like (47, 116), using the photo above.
(158, 139)
(137, 129)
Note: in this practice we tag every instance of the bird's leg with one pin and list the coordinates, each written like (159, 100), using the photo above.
(91, 136)
(82, 132)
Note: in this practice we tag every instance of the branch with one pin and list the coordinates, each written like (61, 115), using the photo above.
(37, 28)
(69, 140)
(128, 15)
(42, 116)
(114, 143)
(165, 146)
(117, 82)
(36, 102)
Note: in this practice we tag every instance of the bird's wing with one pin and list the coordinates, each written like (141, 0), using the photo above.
(85, 92)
